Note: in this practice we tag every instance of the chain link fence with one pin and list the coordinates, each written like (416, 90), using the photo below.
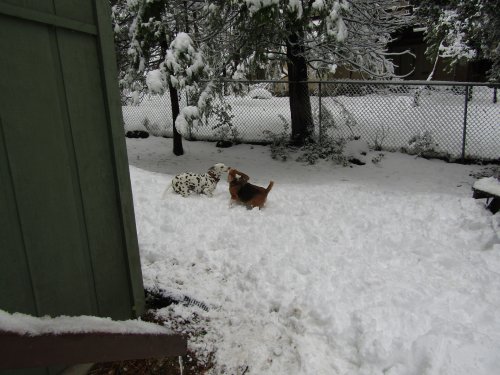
(459, 119)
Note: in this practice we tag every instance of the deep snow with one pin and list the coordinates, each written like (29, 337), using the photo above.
(388, 268)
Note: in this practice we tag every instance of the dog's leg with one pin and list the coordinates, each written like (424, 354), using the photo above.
(164, 195)
(209, 192)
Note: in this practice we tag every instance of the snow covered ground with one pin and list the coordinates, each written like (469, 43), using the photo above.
(23, 324)
(378, 269)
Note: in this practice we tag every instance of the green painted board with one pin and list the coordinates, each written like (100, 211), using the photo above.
(67, 229)
(96, 166)
(42, 173)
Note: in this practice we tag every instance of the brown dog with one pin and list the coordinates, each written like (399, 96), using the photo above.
(244, 192)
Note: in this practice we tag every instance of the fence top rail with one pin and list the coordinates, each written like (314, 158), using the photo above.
(367, 82)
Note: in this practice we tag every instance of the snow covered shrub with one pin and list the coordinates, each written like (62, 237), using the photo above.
(327, 148)
(377, 159)
(131, 97)
(200, 104)
(335, 120)
(260, 93)
(187, 120)
(379, 138)
(280, 142)
(234, 88)
(340, 150)
(224, 129)
(355, 151)
(326, 119)
(423, 144)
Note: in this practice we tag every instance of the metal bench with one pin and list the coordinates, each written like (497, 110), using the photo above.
(488, 188)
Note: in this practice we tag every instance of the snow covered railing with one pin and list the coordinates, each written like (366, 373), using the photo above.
(488, 188)
(28, 341)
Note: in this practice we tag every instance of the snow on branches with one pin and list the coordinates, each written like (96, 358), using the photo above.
(190, 116)
(183, 63)
(453, 44)
(327, 33)
(184, 66)
(462, 30)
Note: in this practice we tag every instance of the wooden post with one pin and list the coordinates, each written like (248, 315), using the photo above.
(23, 351)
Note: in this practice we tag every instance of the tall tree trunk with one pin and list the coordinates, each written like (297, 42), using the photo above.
(174, 101)
(300, 103)
(174, 105)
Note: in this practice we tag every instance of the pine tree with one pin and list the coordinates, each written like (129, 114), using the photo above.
(319, 35)
(146, 34)
(462, 29)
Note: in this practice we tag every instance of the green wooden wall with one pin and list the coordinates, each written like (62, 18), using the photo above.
(68, 243)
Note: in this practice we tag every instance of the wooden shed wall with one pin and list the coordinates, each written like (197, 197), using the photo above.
(67, 230)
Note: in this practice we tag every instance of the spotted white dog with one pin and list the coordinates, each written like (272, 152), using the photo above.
(187, 183)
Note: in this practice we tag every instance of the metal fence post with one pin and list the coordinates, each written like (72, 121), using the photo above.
(466, 105)
(320, 130)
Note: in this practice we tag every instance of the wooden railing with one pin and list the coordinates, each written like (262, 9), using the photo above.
(24, 351)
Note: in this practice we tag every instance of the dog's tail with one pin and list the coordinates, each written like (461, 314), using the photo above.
(164, 195)
(269, 187)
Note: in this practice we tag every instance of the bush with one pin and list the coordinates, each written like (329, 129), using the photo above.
(328, 148)
(224, 130)
(280, 142)
(423, 144)
(335, 120)
(260, 93)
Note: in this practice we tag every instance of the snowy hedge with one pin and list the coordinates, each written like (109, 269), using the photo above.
(260, 94)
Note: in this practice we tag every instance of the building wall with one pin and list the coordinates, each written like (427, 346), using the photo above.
(67, 227)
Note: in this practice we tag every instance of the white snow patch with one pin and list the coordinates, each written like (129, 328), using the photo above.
(318, 5)
(155, 80)
(488, 184)
(356, 149)
(29, 325)
(260, 93)
(390, 268)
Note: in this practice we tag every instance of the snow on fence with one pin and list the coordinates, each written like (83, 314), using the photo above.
(463, 119)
